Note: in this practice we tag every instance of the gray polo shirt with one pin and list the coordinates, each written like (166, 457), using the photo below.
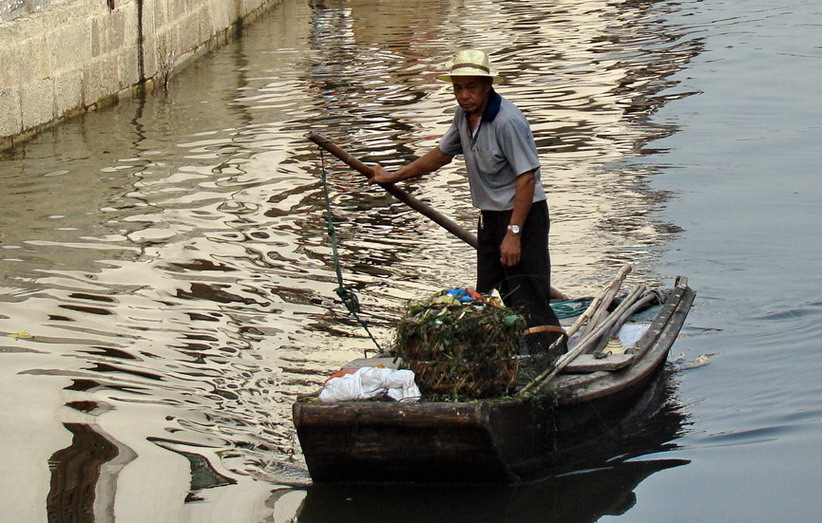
(502, 149)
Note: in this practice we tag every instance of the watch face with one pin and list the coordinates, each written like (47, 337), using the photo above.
(514, 229)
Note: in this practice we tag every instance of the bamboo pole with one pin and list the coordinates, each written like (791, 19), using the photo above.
(646, 299)
(598, 302)
(609, 296)
(545, 377)
(594, 333)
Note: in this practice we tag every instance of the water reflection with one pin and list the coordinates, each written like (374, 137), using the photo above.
(585, 496)
(84, 475)
(167, 257)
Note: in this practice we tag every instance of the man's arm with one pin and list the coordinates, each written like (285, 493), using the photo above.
(430, 162)
(511, 247)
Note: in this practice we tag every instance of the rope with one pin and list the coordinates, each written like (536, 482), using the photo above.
(570, 308)
(349, 299)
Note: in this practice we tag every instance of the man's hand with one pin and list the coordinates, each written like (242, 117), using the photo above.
(510, 250)
(381, 176)
(430, 162)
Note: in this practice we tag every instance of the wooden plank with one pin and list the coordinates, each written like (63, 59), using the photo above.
(588, 363)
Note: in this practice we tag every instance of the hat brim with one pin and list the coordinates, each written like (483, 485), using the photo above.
(449, 77)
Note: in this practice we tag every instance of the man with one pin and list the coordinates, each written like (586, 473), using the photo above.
(504, 177)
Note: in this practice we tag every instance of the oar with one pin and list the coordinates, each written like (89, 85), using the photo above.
(436, 216)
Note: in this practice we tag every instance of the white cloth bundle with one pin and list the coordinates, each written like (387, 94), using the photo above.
(370, 382)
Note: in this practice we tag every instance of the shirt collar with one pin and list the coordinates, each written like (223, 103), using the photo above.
(492, 107)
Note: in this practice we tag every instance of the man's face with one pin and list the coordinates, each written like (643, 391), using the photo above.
(471, 92)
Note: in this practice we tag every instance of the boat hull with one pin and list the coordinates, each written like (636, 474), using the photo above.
(499, 440)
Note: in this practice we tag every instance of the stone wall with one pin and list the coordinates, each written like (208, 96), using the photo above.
(11, 9)
(73, 57)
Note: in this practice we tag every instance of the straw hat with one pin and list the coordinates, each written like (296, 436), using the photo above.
(470, 62)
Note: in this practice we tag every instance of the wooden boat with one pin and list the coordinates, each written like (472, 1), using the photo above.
(502, 439)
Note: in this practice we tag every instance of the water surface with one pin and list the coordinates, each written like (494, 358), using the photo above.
(168, 285)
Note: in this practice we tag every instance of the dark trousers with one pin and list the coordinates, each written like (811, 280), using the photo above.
(525, 287)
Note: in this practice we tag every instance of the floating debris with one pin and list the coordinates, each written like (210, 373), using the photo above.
(21, 335)
(700, 361)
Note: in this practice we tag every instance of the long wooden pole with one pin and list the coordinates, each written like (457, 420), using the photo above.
(449, 225)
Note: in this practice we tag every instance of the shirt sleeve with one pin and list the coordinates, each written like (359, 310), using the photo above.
(517, 144)
(450, 142)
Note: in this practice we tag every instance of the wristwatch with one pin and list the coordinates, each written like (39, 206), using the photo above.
(514, 229)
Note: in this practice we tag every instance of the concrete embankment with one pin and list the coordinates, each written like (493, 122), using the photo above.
(81, 54)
